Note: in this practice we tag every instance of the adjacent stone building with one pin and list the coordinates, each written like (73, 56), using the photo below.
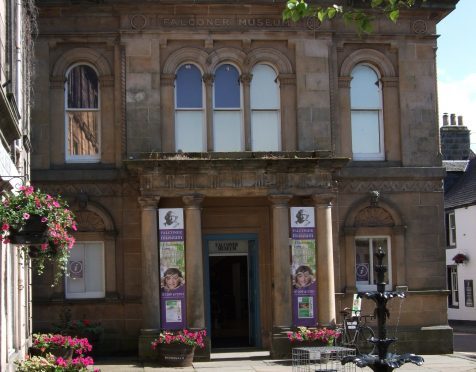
(17, 20)
(223, 112)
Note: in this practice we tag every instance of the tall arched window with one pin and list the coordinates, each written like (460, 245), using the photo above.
(366, 114)
(82, 115)
(190, 133)
(265, 115)
(227, 112)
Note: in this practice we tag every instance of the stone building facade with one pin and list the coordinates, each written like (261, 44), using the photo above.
(226, 112)
(15, 284)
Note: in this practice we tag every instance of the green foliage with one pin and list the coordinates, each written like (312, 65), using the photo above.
(362, 18)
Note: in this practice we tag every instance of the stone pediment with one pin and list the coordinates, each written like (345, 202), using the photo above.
(235, 174)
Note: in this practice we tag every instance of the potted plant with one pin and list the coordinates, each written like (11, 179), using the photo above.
(41, 224)
(60, 346)
(50, 363)
(177, 348)
(460, 258)
(92, 330)
(313, 336)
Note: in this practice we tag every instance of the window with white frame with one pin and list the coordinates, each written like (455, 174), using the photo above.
(86, 271)
(265, 113)
(453, 298)
(366, 114)
(82, 117)
(451, 229)
(365, 261)
(227, 111)
(190, 130)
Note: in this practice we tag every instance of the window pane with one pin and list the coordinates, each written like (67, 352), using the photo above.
(188, 85)
(362, 261)
(265, 131)
(83, 87)
(94, 268)
(227, 87)
(75, 282)
(264, 88)
(189, 131)
(83, 133)
(365, 132)
(227, 134)
(364, 88)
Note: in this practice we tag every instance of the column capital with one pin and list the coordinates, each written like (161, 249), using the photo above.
(280, 200)
(344, 81)
(193, 201)
(287, 79)
(208, 79)
(168, 79)
(323, 200)
(147, 202)
(246, 78)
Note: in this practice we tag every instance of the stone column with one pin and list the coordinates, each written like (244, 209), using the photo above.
(150, 263)
(150, 277)
(344, 146)
(194, 262)
(282, 305)
(289, 132)
(208, 80)
(325, 260)
(245, 79)
(168, 112)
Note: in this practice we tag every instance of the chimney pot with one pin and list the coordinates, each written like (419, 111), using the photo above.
(460, 120)
(445, 119)
(453, 119)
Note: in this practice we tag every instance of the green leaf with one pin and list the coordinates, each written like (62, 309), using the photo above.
(394, 15)
(331, 13)
(376, 3)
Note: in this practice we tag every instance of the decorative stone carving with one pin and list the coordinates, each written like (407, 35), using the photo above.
(419, 27)
(89, 221)
(390, 186)
(138, 22)
(373, 216)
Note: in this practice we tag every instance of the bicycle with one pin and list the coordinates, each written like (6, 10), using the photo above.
(355, 332)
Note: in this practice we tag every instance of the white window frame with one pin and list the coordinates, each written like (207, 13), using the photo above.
(90, 294)
(185, 109)
(454, 286)
(381, 154)
(452, 229)
(81, 158)
(373, 287)
(240, 112)
(276, 110)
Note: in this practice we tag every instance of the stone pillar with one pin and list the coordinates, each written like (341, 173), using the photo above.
(245, 79)
(150, 276)
(289, 132)
(344, 146)
(325, 260)
(168, 112)
(208, 80)
(194, 262)
(282, 306)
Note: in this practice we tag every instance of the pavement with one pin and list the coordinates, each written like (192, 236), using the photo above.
(259, 361)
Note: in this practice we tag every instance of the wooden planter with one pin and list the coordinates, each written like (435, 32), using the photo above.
(33, 232)
(175, 355)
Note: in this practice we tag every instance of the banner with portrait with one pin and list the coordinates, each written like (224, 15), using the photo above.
(172, 268)
(303, 266)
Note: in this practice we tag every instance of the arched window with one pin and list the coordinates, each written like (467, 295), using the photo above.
(265, 115)
(82, 115)
(227, 112)
(366, 114)
(190, 133)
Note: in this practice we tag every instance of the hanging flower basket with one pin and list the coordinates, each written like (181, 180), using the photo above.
(460, 258)
(41, 224)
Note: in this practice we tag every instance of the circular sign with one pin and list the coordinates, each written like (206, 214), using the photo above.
(76, 268)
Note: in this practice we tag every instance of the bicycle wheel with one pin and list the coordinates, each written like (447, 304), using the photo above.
(362, 345)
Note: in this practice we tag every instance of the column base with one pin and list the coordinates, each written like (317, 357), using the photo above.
(280, 344)
(146, 353)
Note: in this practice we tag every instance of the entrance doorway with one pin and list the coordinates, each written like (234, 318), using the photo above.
(232, 292)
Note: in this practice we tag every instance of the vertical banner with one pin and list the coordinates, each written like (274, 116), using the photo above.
(303, 266)
(172, 268)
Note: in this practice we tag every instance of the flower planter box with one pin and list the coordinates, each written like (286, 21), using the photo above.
(175, 355)
(32, 232)
(64, 352)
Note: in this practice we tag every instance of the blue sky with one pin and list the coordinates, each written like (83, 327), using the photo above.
(456, 64)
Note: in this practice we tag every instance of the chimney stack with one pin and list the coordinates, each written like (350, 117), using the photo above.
(455, 142)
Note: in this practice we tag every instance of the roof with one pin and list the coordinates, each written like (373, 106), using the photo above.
(464, 190)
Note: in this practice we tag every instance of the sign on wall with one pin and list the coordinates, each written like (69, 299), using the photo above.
(172, 268)
(468, 293)
(303, 266)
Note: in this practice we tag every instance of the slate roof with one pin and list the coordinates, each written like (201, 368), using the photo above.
(463, 192)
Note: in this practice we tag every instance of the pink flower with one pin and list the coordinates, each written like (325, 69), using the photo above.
(5, 227)
(44, 219)
(26, 216)
(44, 247)
(61, 362)
(6, 240)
